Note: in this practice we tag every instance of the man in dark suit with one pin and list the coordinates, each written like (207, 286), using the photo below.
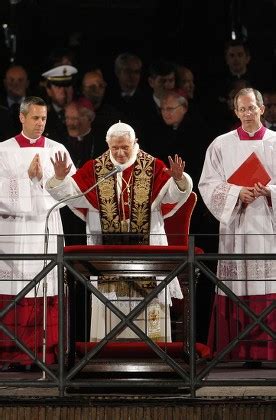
(16, 84)
(161, 79)
(126, 93)
(7, 128)
(94, 89)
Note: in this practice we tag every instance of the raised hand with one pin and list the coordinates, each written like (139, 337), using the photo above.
(176, 169)
(61, 167)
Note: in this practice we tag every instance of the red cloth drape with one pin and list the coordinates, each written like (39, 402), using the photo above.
(228, 320)
(25, 321)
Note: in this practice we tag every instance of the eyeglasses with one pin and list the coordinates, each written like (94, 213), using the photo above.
(251, 109)
(170, 109)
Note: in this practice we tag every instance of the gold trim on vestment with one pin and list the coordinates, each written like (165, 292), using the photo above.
(126, 286)
(140, 199)
(107, 195)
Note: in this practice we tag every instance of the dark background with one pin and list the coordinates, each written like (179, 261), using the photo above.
(192, 32)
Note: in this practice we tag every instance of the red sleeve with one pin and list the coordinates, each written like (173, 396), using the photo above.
(84, 177)
(160, 178)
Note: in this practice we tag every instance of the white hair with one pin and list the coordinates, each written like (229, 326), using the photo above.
(121, 129)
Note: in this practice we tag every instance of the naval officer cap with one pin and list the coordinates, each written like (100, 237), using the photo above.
(61, 75)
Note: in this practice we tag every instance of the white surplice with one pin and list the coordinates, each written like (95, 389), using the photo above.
(249, 229)
(24, 204)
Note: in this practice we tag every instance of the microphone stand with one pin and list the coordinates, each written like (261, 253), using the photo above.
(46, 243)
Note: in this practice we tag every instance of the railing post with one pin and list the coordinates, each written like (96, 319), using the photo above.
(192, 335)
(61, 302)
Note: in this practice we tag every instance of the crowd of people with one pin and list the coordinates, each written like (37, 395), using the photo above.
(157, 115)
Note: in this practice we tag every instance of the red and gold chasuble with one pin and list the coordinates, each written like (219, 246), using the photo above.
(141, 184)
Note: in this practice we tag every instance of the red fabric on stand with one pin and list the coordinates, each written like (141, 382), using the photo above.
(128, 249)
(139, 350)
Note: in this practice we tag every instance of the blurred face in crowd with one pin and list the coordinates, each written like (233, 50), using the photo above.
(270, 107)
(162, 84)
(72, 120)
(237, 59)
(60, 95)
(249, 112)
(86, 118)
(78, 119)
(186, 81)
(172, 111)
(93, 87)
(33, 122)
(129, 75)
(121, 148)
(16, 82)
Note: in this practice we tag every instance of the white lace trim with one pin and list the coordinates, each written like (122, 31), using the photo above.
(218, 199)
(13, 191)
(249, 270)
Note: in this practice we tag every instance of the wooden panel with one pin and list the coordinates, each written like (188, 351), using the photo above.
(107, 409)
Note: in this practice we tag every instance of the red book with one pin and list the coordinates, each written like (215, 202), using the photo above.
(250, 172)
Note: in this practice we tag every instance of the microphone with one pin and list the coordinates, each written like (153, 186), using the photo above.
(114, 171)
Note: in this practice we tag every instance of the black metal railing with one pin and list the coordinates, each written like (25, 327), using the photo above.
(189, 375)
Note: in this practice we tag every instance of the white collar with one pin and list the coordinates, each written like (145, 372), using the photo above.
(130, 162)
(32, 141)
(253, 133)
(56, 107)
(131, 93)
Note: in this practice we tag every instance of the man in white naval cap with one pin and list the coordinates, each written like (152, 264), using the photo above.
(60, 92)
(128, 202)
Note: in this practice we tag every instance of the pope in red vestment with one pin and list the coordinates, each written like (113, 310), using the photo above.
(125, 208)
